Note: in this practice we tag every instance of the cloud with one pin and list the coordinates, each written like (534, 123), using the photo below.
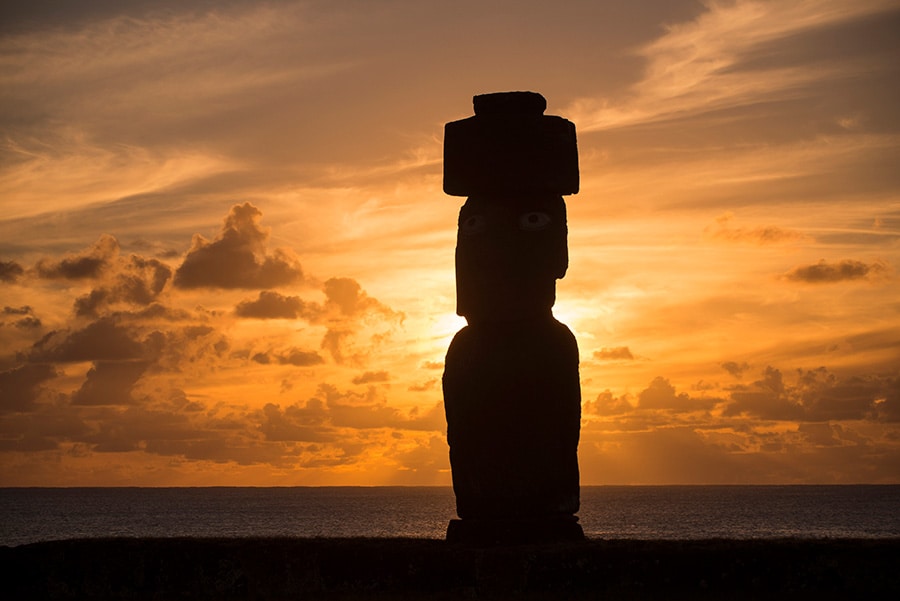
(661, 395)
(700, 66)
(370, 377)
(734, 368)
(21, 386)
(294, 356)
(614, 354)
(110, 383)
(424, 386)
(346, 309)
(238, 257)
(769, 234)
(10, 271)
(90, 263)
(303, 423)
(608, 404)
(818, 395)
(364, 411)
(42, 429)
(272, 305)
(102, 340)
(138, 282)
(348, 297)
(826, 273)
(24, 317)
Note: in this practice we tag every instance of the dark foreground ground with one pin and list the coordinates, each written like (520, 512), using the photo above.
(290, 568)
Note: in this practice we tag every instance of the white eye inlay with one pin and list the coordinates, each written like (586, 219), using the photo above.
(534, 220)
(472, 224)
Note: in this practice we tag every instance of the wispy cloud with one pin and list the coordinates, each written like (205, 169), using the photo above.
(696, 67)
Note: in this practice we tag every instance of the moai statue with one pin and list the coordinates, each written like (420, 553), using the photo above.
(511, 389)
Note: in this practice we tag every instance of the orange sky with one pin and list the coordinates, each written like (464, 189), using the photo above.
(226, 259)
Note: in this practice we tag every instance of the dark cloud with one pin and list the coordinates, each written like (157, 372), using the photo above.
(608, 404)
(661, 395)
(370, 377)
(734, 368)
(90, 263)
(139, 282)
(221, 449)
(237, 258)
(348, 297)
(767, 398)
(818, 396)
(293, 356)
(424, 386)
(110, 383)
(306, 423)
(824, 272)
(368, 410)
(346, 307)
(333, 342)
(134, 428)
(300, 358)
(21, 386)
(22, 317)
(10, 271)
(614, 354)
(272, 305)
(102, 340)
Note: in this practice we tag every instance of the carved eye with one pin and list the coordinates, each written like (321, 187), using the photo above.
(534, 220)
(472, 224)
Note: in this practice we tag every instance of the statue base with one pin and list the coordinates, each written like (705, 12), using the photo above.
(518, 531)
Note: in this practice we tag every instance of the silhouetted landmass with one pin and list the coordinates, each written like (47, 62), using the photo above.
(292, 568)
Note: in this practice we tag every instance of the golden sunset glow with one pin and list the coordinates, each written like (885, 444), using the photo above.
(226, 257)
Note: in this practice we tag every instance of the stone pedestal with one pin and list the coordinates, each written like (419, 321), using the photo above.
(486, 533)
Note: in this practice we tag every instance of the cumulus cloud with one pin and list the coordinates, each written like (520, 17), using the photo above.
(238, 257)
(10, 271)
(346, 308)
(21, 317)
(110, 383)
(660, 394)
(348, 297)
(138, 282)
(818, 395)
(368, 410)
(101, 340)
(90, 263)
(272, 305)
(608, 404)
(825, 273)
(305, 423)
(21, 386)
(614, 354)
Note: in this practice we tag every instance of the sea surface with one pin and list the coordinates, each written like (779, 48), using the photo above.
(607, 512)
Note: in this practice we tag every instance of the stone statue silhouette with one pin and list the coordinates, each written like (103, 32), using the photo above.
(511, 388)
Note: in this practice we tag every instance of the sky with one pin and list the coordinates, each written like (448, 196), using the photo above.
(226, 257)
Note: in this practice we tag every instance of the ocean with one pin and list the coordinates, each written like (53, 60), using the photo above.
(607, 512)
